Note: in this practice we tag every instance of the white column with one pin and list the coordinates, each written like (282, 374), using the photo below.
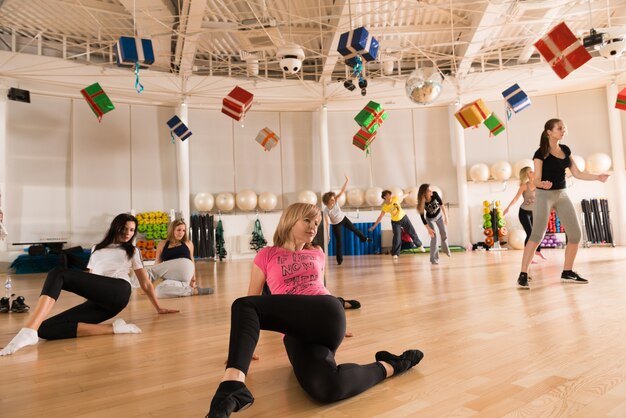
(182, 166)
(324, 155)
(618, 217)
(457, 137)
(3, 155)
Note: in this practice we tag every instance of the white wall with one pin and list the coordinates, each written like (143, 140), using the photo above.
(68, 175)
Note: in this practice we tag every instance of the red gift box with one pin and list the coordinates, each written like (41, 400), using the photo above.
(620, 102)
(237, 103)
(363, 139)
(562, 50)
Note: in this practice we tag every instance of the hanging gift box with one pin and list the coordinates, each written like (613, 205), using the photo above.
(358, 41)
(494, 124)
(472, 114)
(237, 103)
(620, 102)
(178, 128)
(97, 99)
(516, 98)
(363, 139)
(371, 117)
(267, 138)
(134, 50)
(562, 50)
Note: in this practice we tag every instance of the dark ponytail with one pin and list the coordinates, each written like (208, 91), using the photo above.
(544, 143)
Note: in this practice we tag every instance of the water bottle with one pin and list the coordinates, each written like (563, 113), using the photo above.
(8, 285)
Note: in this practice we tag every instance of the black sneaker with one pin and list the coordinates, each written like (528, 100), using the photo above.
(18, 305)
(4, 305)
(522, 281)
(573, 277)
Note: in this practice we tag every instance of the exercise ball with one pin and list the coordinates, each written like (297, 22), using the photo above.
(246, 200)
(501, 171)
(598, 163)
(372, 196)
(396, 191)
(267, 201)
(437, 189)
(342, 199)
(307, 196)
(580, 163)
(411, 199)
(203, 202)
(516, 239)
(356, 197)
(517, 167)
(479, 172)
(225, 202)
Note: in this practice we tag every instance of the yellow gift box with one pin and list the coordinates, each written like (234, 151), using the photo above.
(472, 114)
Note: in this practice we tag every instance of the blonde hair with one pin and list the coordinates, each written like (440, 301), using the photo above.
(288, 219)
(172, 228)
(523, 175)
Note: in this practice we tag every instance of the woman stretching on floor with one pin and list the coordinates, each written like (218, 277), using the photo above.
(106, 287)
(312, 320)
(175, 264)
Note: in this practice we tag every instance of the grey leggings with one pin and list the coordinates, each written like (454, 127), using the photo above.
(443, 231)
(545, 200)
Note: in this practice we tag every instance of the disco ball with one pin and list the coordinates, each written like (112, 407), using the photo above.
(424, 85)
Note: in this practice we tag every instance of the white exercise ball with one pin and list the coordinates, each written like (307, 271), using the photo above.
(411, 199)
(580, 163)
(501, 171)
(204, 202)
(225, 202)
(437, 189)
(396, 191)
(356, 197)
(598, 163)
(517, 238)
(372, 196)
(267, 201)
(246, 200)
(307, 196)
(479, 172)
(517, 167)
(342, 198)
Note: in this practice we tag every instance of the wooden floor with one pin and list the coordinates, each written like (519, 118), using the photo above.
(490, 349)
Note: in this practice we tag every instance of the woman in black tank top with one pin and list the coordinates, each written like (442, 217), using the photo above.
(175, 265)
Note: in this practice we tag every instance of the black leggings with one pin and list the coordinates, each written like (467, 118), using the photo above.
(397, 227)
(338, 234)
(106, 297)
(526, 219)
(314, 327)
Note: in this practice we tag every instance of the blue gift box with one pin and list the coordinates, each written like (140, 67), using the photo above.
(180, 129)
(358, 41)
(516, 98)
(132, 50)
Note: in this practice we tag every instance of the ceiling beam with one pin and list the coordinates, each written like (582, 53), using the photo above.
(329, 44)
(189, 28)
(549, 17)
(487, 18)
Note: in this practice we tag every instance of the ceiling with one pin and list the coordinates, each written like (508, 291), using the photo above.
(218, 38)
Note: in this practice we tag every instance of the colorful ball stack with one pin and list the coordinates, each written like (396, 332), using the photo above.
(493, 220)
(153, 227)
(550, 240)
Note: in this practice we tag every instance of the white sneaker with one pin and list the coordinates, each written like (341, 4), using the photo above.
(395, 258)
(421, 249)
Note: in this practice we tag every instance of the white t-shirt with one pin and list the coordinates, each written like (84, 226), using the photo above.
(335, 214)
(113, 262)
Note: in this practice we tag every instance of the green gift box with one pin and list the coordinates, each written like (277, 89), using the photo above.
(371, 117)
(97, 99)
(494, 124)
